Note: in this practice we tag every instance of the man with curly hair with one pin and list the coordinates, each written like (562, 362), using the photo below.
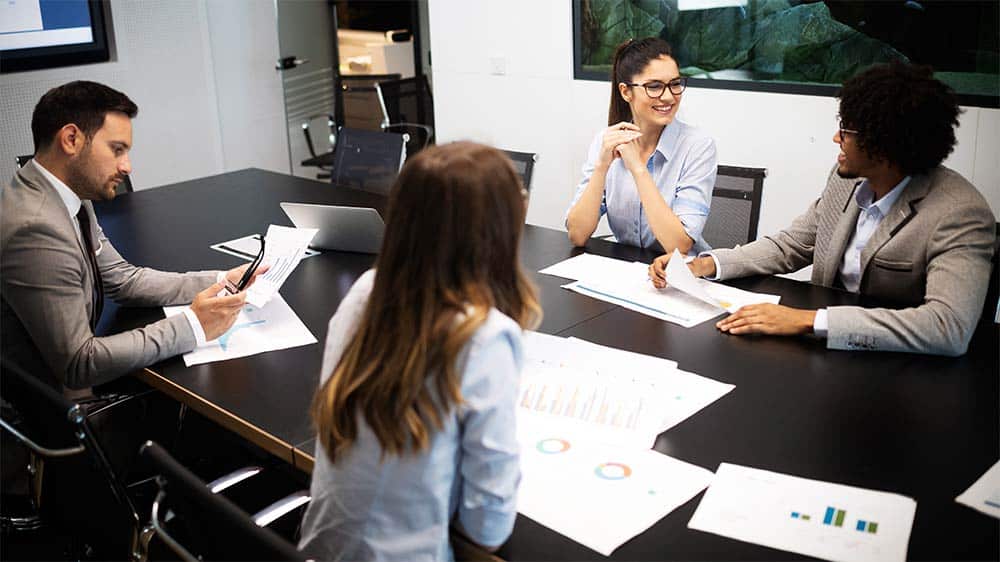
(892, 224)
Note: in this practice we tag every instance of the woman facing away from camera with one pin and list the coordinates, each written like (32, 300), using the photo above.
(649, 172)
(415, 412)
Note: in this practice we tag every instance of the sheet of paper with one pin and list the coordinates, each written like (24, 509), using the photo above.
(283, 252)
(679, 276)
(607, 394)
(810, 517)
(984, 495)
(598, 495)
(246, 248)
(589, 266)
(256, 330)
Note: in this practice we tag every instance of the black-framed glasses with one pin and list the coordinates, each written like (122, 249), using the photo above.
(248, 274)
(655, 88)
(844, 131)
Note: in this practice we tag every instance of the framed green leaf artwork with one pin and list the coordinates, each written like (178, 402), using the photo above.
(800, 46)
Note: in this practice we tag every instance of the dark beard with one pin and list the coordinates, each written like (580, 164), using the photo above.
(80, 182)
(847, 175)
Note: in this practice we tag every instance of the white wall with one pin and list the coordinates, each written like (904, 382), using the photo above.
(537, 106)
(198, 116)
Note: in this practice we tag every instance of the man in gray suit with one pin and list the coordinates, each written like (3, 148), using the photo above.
(909, 231)
(56, 265)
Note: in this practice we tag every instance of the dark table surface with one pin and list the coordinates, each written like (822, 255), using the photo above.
(917, 425)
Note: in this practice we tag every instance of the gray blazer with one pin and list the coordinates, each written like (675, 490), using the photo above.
(46, 288)
(930, 254)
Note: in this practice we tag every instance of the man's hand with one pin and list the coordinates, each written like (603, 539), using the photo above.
(217, 314)
(234, 275)
(768, 318)
(700, 267)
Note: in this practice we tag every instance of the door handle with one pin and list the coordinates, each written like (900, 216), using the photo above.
(286, 63)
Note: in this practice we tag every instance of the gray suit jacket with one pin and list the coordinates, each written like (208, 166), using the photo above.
(47, 301)
(931, 254)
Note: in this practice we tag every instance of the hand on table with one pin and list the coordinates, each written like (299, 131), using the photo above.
(767, 318)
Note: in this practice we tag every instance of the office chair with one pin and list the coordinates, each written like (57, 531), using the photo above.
(63, 448)
(367, 160)
(323, 160)
(124, 187)
(407, 106)
(362, 109)
(735, 207)
(524, 163)
(197, 523)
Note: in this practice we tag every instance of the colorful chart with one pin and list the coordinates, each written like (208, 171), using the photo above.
(613, 471)
(552, 446)
(224, 338)
(835, 517)
(801, 516)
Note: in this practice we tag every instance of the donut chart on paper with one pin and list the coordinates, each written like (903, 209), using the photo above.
(613, 471)
(552, 446)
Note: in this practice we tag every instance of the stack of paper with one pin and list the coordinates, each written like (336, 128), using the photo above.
(810, 517)
(686, 300)
(599, 495)
(587, 416)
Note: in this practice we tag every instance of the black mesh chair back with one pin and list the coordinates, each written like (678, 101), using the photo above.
(199, 525)
(408, 108)
(367, 160)
(362, 109)
(735, 207)
(79, 484)
(524, 163)
(124, 187)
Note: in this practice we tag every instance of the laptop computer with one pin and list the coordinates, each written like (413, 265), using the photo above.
(346, 229)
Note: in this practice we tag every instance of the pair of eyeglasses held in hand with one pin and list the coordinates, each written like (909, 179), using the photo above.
(248, 274)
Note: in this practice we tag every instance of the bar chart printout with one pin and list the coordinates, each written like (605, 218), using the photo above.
(829, 521)
(984, 495)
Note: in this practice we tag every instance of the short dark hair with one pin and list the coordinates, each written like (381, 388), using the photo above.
(82, 103)
(630, 58)
(902, 114)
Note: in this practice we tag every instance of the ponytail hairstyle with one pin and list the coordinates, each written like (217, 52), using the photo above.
(631, 57)
(450, 254)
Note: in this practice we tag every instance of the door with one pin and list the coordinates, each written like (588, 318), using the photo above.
(307, 47)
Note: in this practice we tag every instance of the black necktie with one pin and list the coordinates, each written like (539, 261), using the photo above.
(88, 245)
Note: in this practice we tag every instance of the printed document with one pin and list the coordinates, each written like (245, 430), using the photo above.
(256, 330)
(605, 394)
(686, 300)
(809, 517)
(984, 495)
(599, 495)
(246, 248)
(283, 252)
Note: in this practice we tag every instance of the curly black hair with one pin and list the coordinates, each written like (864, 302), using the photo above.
(902, 114)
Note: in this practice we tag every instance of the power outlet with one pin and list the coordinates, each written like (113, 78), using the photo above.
(498, 66)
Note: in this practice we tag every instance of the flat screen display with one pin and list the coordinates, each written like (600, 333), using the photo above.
(48, 33)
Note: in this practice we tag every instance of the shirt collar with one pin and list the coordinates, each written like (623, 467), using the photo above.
(865, 194)
(668, 139)
(69, 198)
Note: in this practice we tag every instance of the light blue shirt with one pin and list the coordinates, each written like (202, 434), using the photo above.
(366, 507)
(683, 168)
(872, 214)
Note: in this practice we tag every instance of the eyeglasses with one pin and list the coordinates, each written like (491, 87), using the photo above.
(655, 88)
(248, 274)
(844, 131)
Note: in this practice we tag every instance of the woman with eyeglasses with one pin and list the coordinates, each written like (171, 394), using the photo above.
(415, 412)
(650, 173)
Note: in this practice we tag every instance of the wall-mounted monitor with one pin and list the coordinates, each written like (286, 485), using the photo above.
(49, 33)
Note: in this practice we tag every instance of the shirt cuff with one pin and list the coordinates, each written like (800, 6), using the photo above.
(718, 268)
(199, 334)
(820, 324)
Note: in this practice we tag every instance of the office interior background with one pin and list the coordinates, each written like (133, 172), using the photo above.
(203, 74)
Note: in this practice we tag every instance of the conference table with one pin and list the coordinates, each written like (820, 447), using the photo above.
(917, 425)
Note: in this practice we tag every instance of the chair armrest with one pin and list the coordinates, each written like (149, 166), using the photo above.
(38, 449)
(278, 509)
(235, 477)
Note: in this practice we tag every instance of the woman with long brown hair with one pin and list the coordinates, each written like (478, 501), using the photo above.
(415, 412)
(650, 173)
